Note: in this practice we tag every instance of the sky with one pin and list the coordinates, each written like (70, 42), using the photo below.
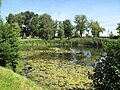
(106, 12)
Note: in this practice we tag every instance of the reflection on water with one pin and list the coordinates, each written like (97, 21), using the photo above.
(73, 53)
(84, 56)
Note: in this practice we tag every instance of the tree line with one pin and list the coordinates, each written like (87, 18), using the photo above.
(43, 26)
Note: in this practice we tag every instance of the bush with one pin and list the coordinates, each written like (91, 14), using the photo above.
(107, 71)
(9, 46)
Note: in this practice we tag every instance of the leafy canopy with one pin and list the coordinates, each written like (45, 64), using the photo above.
(9, 46)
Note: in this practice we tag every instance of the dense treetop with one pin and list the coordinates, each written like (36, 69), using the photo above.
(43, 26)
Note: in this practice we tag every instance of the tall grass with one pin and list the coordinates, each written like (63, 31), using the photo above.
(93, 42)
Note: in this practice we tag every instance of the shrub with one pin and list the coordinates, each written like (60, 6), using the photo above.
(107, 71)
(8, 46)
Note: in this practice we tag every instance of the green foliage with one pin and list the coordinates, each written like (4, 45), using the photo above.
(23, 18)
(60, 30)
(16, 28)
(34, 25)
(31, 24)
(10, 18)
(44, 27)
(81, 22)
(111, 35)
(68, 27)
(107, 71)
(96, 29)
(0, 3)
(118, 29)
(8, 46)
(14, 24)
(46, 30)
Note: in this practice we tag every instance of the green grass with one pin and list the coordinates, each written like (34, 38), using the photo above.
(12, 81)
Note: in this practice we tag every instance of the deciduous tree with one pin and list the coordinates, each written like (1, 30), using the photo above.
(81, 22)
(96, 29)
(118, 28)
(46, 30)
(68, 27)
(60, 30)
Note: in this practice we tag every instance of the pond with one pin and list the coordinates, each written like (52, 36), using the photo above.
(60, 68)
(78, 55)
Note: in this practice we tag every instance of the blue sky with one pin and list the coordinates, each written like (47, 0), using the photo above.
(106, 12)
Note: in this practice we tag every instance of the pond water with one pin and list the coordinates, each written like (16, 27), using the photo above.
(83, 56)
(60, 68)
(78, 55)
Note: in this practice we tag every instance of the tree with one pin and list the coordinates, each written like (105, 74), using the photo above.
(60, 30)
(68, 27)
(55, 27)
(111, 35)
(10, 18)
(118, 28)
(96, 29)
(14, 24)
(46, 29)
(81, 22)
(8, 46)
(88, 28)
(23, 19)
(34, 25)
(0, 2)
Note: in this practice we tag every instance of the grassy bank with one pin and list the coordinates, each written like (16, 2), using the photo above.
(12, 81)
